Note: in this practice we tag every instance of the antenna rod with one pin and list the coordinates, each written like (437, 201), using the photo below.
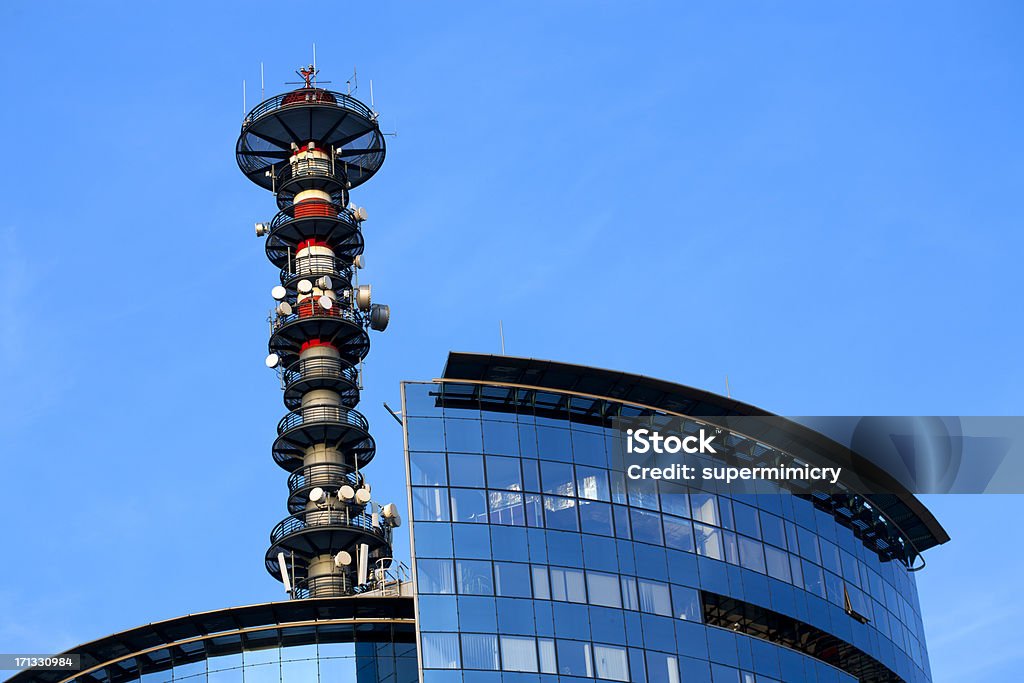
(728, 394)
(371, 93)
(244, 109)
(501, 331)
(263, 94)
(314, 65)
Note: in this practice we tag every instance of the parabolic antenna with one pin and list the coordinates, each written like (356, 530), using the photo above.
(279, 292)
(325, 302)
(325, 282)
(363, 496)
(342, 559)
(272, 360)
(346, 492)
(284, 308)
(305, 286)
(317, 494)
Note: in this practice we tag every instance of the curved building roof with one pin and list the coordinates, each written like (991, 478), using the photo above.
(898, 504)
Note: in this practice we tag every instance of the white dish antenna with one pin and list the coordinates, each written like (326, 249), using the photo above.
(342, 559)
(390, 510)
(279, 292)
(396, 521)
(359, 213)
(346, 492)
(325, 302)
(359, 261)
(305, 286)
(262, 229)
(363, 496)
(317, 494)
(363, 297)
(325, 282)
(284, 308)
(272, 360)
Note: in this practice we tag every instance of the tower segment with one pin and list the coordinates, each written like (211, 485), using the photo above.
(310, 147)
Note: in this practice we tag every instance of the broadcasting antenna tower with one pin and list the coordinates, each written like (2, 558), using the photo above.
(310, 146)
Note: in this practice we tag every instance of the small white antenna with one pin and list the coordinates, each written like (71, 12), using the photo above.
(371, 93)
(314, 65)
(263, 94)
(501, 331)
(244, 109)
(728, 394)
(284, 573)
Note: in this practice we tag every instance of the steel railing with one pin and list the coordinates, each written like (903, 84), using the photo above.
(323, 474)
(320, 367)
(311, 308)
(314, 519)
(305, 96)
(321, 415)
(314, 266)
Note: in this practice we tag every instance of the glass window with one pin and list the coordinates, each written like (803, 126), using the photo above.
(808, 545)
(662, 668)
(501, 437)
(474, 577)
(433, 540)
(472, 541)
(674, 500)
(554, 443)
(596, 518)
(705, 508)
(814, 580)
(603, 589)
(646, 526)
(435, 576)
(503, 473)
(709, 541)
(686, 603)
(429, 504)
(518, 654)
(567, 585)
(440, 650)
(610, 662)
(512, 579)
(534, 510)
(829, 556)
(618, 484)
(479, 651)
(466, 469)
(772, 530)
(729, 545)
(574, 658)
(746, 518)
(655, 597)
(506, 508)
(777, 563)
(678, 534)
(557, 478)
(425, 433)
(463, 435)
(469, 505)
(546, 651)
(560, 513)
(428, 469)
(592, 483)
(541, 588)
(630, 600)
(751, 554)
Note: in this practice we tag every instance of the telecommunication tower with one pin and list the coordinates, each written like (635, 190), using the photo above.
(310, 147)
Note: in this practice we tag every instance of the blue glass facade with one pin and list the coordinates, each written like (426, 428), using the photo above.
(534, 561)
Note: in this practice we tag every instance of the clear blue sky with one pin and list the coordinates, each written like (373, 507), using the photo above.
(819, 200)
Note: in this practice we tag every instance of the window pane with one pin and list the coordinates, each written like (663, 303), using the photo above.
(541, 588)
(705, 508)
(554, 444)
(709, 541)
(646, 526)
(611, 663)
(678, 534)
(474, 577)
(428, 469)
(468, 505)
(440, 650)
(603, 589)
(512, 579)
(503, 473)
(463, 435)
(560, 513)
(567, 585)
(596, 518)
(777, 563)
(506, 508)
(425, 434)
(592, 483)
(546, 649)
(746, 519)
(465, 469)
(654, 597)
(751, 555)
(479, 651)
(518, 654)
(435, 576)
(501, 437)
(557, 478)
(574, 658)
(630, 600)
(430, 504)
(686, 603)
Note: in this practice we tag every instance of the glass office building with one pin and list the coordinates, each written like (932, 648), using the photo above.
(535, 562)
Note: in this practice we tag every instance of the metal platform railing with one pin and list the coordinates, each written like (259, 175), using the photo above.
(323, 474)
(320, 415)
(343, 517)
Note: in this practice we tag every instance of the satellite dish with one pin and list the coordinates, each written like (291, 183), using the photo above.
(325, 302)
(262, 229)
(396, 521)
(272, 360)
(363, 297)
(284, 308)
(325, 282)
(317, 495)
(363, 496)
(279, 292)
(359, 261)
(346, 492)
(305, 286)
(342, 559)
(390, 510)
